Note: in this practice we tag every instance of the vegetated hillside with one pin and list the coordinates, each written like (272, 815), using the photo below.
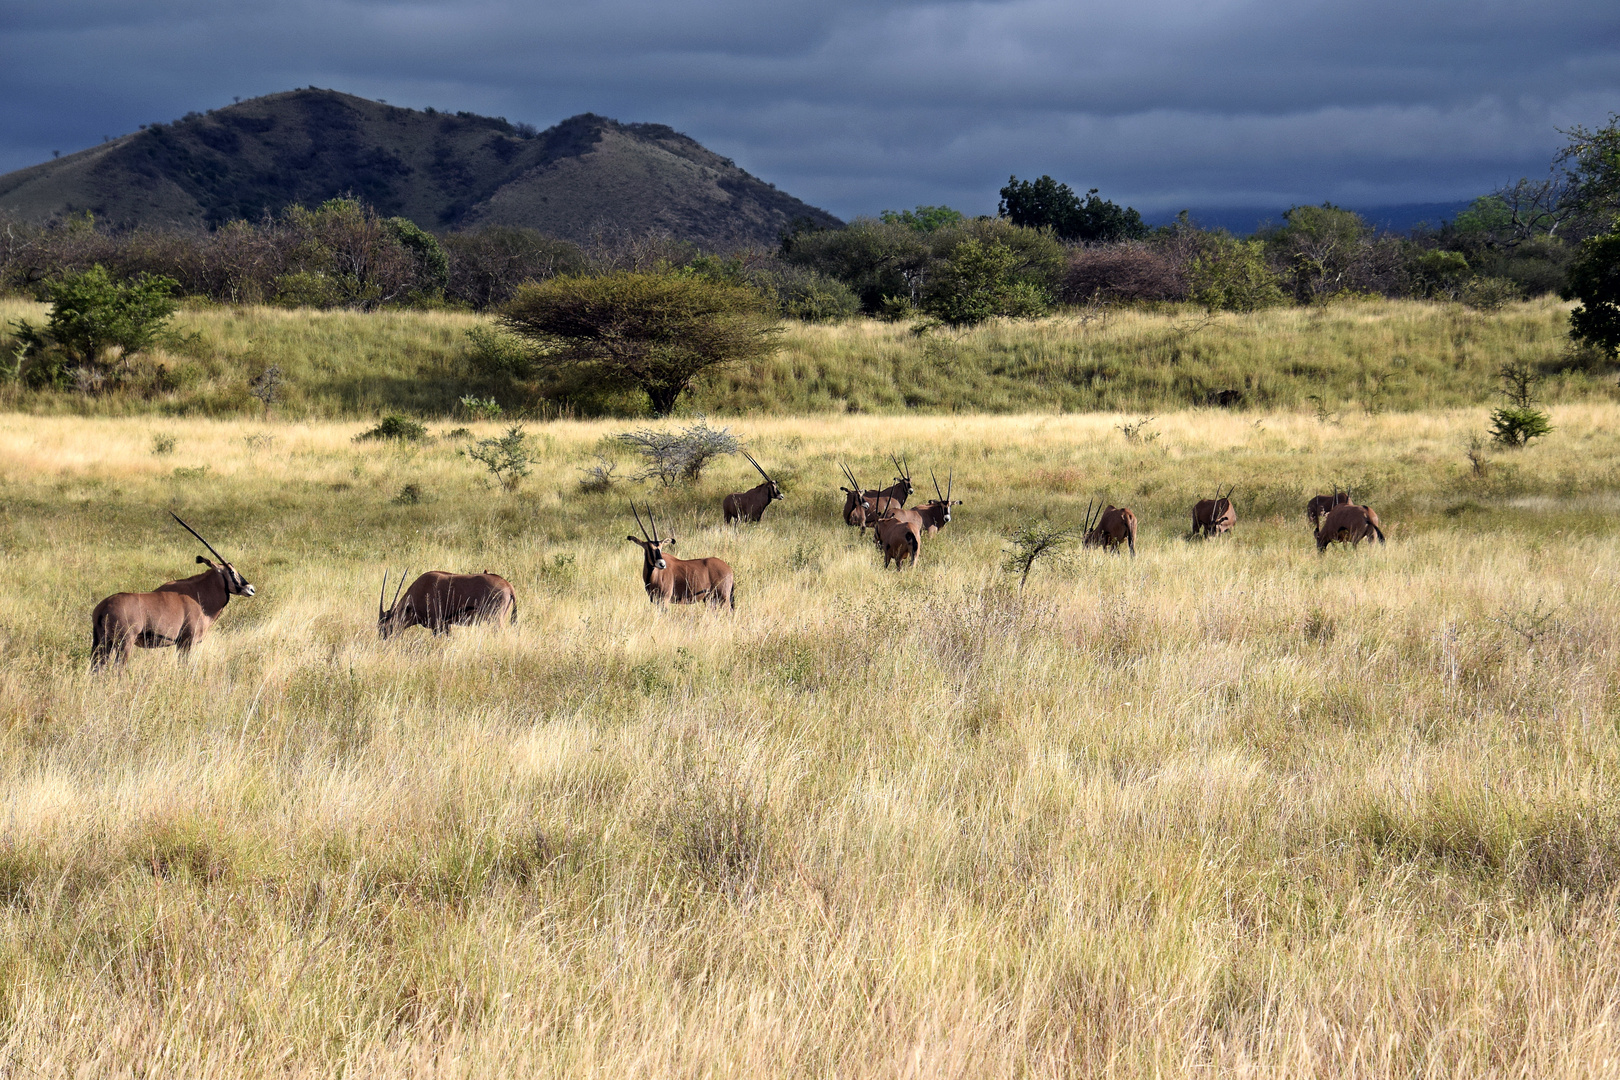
(1351, 358)
(585, 175)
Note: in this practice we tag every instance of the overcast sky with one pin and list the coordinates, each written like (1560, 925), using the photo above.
(862, 105)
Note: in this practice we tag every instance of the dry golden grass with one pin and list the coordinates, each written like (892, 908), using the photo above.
(1230, 806)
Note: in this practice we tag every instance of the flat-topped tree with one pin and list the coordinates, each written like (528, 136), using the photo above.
(656, 331)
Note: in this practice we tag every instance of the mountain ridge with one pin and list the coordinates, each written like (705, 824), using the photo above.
(445, 171)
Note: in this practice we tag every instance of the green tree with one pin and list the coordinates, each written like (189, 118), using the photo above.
(1047, 204)
(1232, 275)
(92, 314)
(1594, 280)
(1320, 246)
(432, 264)
(655, 331)
(924, 219)
(980, 281)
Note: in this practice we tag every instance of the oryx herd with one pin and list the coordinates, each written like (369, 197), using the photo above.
(180, 612)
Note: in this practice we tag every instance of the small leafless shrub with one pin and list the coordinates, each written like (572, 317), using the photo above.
(673, 457)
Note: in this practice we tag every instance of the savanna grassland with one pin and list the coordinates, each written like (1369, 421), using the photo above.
(1346, 357)
(1229, 806)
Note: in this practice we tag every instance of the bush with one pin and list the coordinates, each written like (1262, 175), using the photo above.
(507, 458)
(1120, 273)
(1490, 293)
(395, 426)
(1515, 425)
(804, 294)
(1232, 275)
(91, 314)
(979, 282)
(671, 456)
(487, 266)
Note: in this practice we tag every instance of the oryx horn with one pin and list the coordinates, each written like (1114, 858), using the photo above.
(380, 595)
(950, 481)
(398, 588)
(639, 525)
(198, 535)
(755, 464)
(935, 479)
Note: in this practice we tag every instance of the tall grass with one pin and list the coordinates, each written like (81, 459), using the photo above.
(1228, 806)
(1366, 356)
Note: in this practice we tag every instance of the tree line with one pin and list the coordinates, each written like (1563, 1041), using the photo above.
(649, 313)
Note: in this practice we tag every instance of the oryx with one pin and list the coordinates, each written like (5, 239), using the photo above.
(176, 613)
(1211, 517)
(750, 505)
(680, 581)
(898, 538)
(1321, 504)
(936, 512)
(1350, 524)
(439, 600)
(1113, 526)
(862, 507)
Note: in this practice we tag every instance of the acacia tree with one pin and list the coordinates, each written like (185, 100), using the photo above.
(652, 330)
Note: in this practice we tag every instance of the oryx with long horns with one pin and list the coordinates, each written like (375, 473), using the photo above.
(936, 512)
(1111, 527)
(439, 600)
(861, 507)
(176, 613)
(750, 505)
(680, 581)
(1211, 517)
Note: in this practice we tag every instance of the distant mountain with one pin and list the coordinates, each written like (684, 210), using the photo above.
(583, 176)
(1244, 220)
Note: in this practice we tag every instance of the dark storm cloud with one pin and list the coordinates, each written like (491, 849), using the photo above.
(861, 106)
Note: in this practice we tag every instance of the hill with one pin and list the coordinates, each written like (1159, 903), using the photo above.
(444, 172)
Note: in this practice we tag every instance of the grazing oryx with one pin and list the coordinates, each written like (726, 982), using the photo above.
(439, 600)
(897, 538)
(177, 613)
(680, 581)
(1321, 504)
(1211, 517)
(750, 505)
(936, 512)
(1349, 523)
(1113, 526)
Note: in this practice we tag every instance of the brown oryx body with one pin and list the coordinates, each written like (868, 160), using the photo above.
(863, 507)
(1211, 517)
(1348, 523)
(901, 489)
(1321, 504)
(898, 538)
(681, 581)
(750, 505)
(176, 613)
(439, 600)
(1114, 526)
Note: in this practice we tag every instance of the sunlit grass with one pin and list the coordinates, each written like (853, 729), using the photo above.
(1343, 359)
(1228, 806)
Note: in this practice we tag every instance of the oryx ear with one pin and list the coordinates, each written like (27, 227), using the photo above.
(202, 560)
(632, 539)
(669, 541)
